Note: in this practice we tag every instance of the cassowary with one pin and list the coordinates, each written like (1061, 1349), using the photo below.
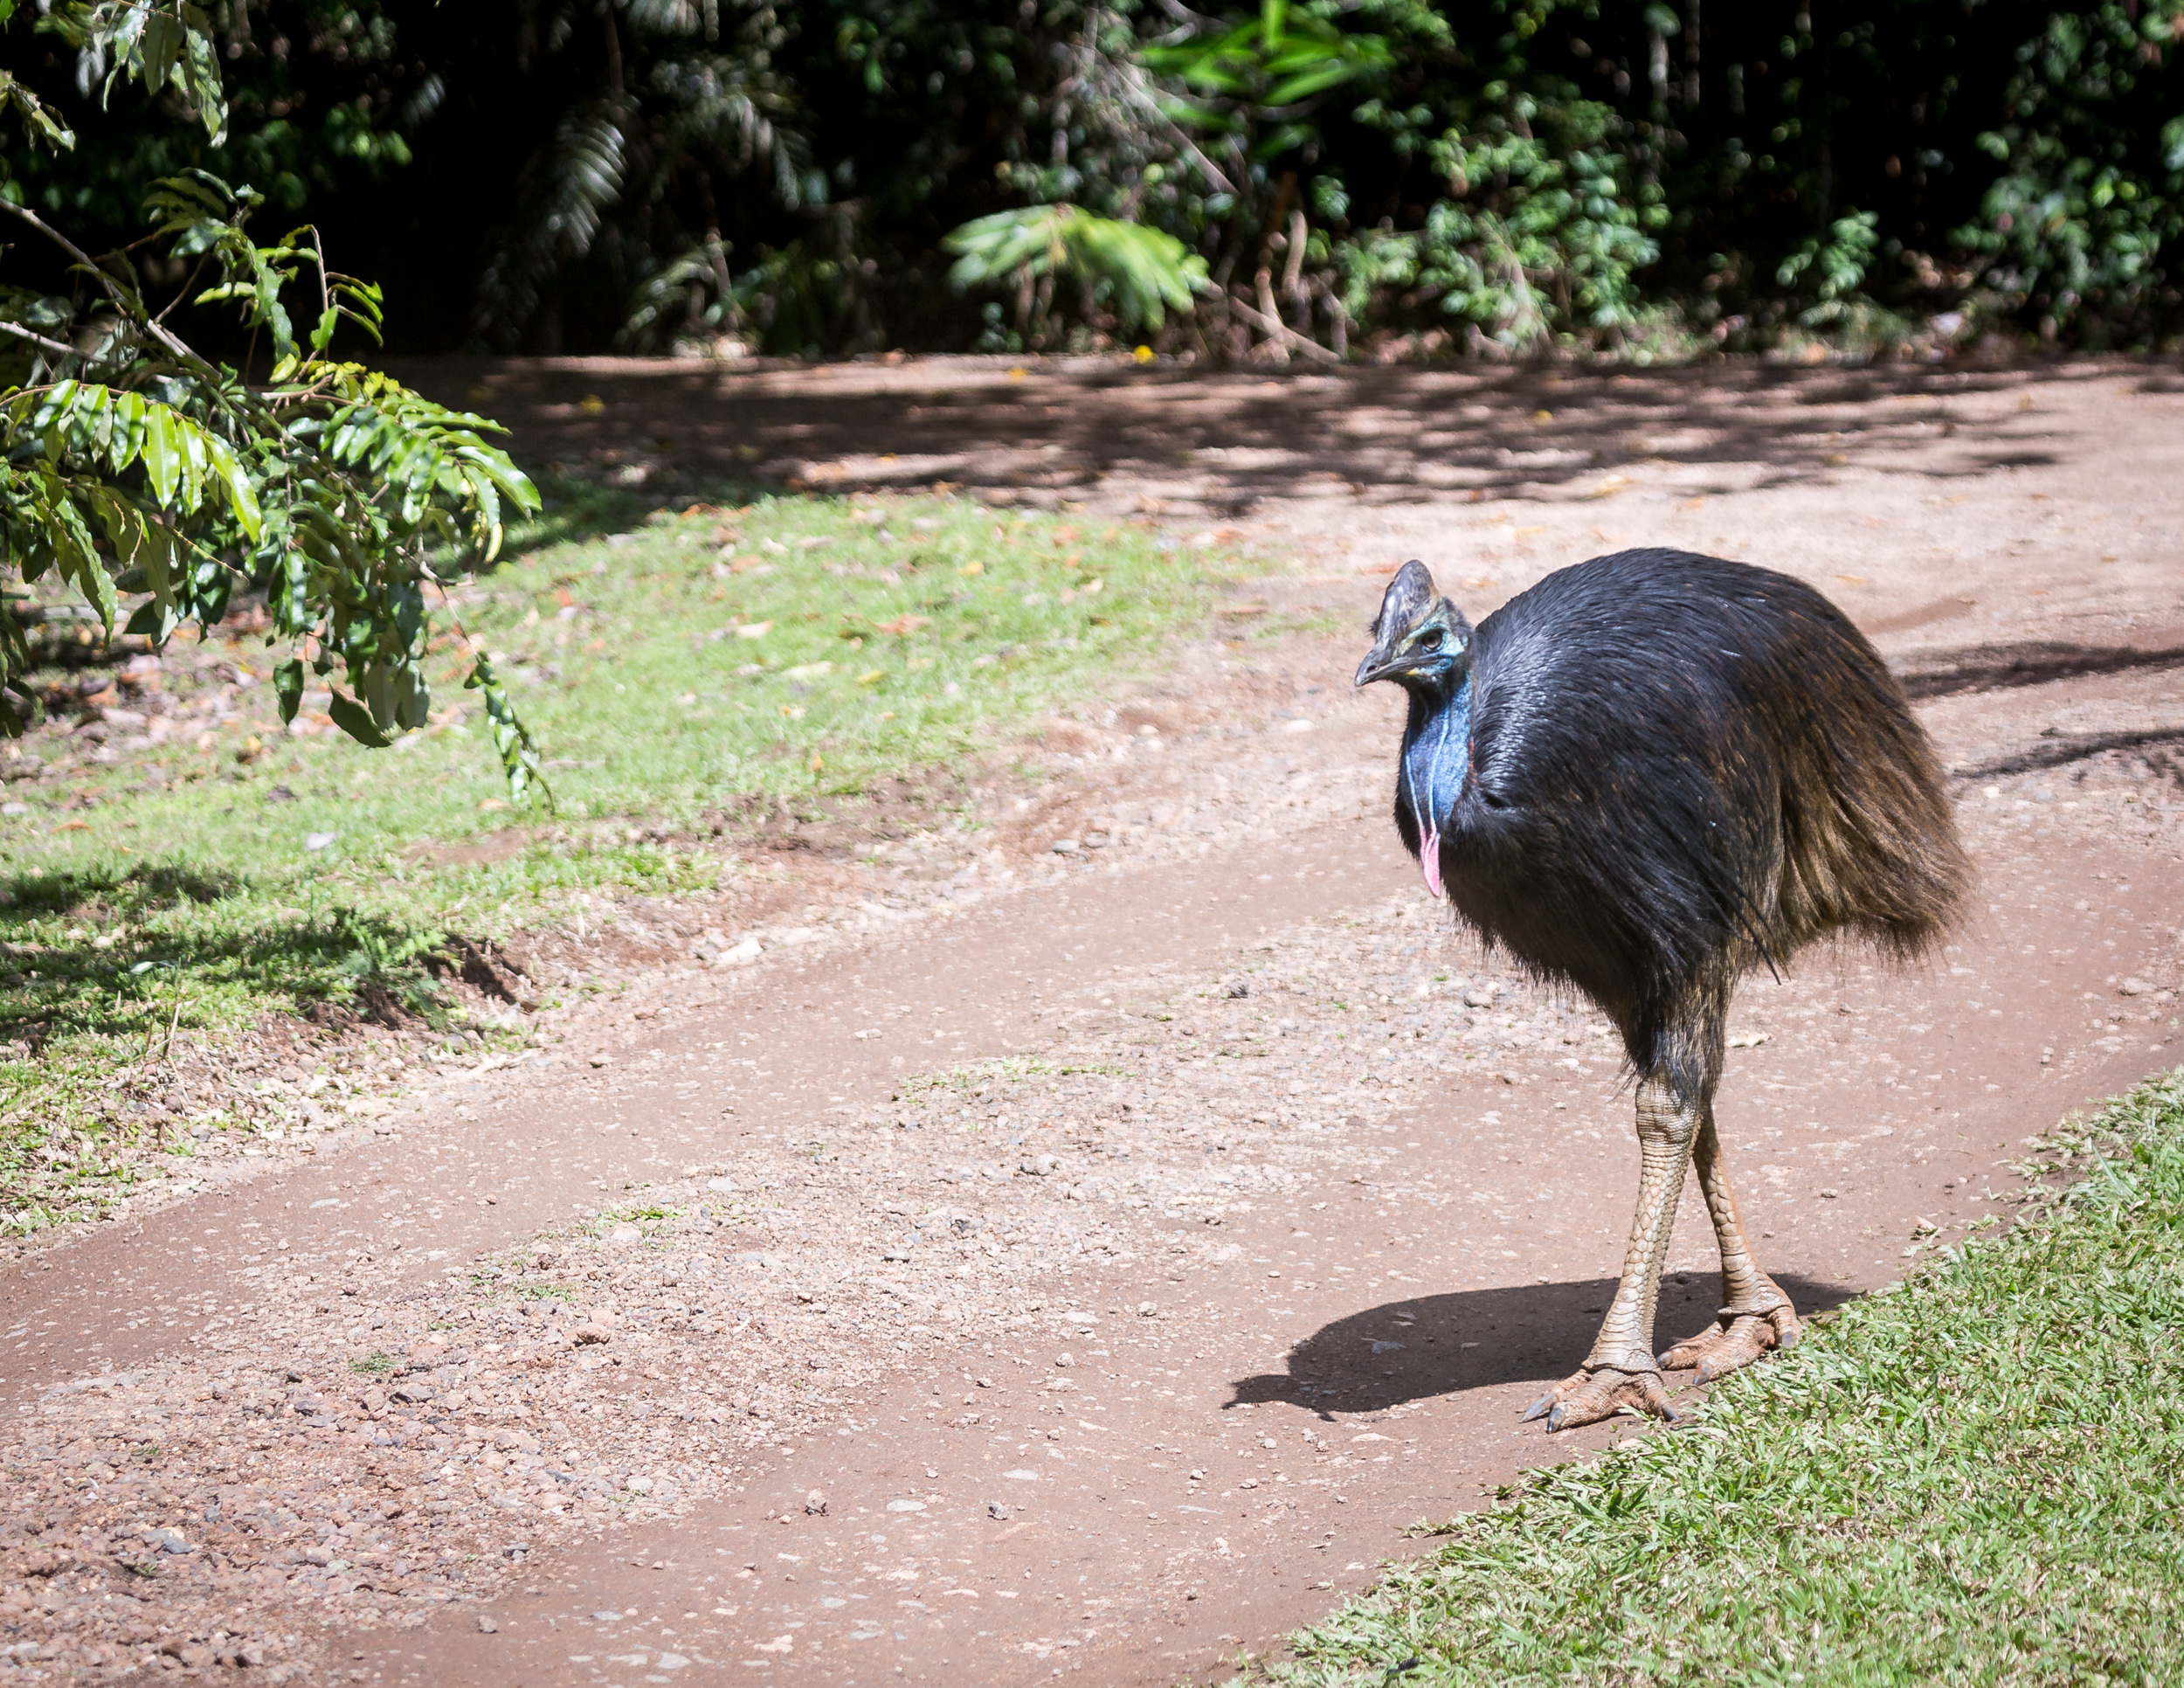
(1645, 777)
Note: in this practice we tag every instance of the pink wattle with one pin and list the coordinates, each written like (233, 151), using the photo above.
(1429, 860)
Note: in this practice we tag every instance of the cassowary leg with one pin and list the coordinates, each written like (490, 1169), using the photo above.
(1621, 1370)
(1755, 1315)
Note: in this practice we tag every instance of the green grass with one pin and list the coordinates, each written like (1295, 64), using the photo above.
(235, 871)
(1975, 1477)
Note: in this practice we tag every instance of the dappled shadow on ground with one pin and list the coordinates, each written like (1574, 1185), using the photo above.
(2033, 663)
(2160, 748)
(1442, 1345)
(1223, 441)
(117, 968)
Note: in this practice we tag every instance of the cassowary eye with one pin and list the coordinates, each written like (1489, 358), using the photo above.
(1427, 640)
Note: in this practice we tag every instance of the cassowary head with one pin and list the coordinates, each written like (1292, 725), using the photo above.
(1420, 640)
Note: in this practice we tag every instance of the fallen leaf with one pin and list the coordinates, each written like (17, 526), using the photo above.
(904, 625)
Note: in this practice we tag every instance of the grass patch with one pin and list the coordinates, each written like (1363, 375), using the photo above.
(1974, 1477)
(972, 1080)
(378, 1364)
(183, 866)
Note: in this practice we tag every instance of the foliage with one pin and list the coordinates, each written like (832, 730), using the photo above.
(1490, 175)
(2090, 190)
(1972, 1477)
(1146, 272)
(130, 462)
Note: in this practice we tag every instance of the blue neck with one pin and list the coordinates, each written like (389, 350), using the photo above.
(1436, 755)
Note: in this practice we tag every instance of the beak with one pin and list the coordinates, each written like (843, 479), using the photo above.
(1377, 665)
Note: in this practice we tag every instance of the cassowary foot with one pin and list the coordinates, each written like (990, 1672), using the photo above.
(1737, 1340)
(1588, 1397)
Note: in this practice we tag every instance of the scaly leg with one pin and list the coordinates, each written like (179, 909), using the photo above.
(1621, 1370)
(1755, 1314)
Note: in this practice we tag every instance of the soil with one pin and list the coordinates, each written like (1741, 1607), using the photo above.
(1092, 1262)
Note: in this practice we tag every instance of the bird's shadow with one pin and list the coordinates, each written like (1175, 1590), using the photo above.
(1443, 1345)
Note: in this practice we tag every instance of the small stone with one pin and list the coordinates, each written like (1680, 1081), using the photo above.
(906, 1506)
(1065, 1359)
(189, 1654)
(487, 1626)
(602, 1059)
(1066, 847)
(720, 1185)
(985, 1382)
(1830, 1194)
(626, 1234)
(639, 1485)
(167, 1541)
(1198, 1477)
(996, 1509)
(2135, 986)
(815, 1504)
(1146, 1310)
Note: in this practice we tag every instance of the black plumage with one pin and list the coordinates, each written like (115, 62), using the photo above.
(1655, 771)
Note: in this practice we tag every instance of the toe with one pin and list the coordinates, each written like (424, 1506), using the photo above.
(1747, 1336)
(1606, 1393)
(1545, 1405)
(1691, 1352)
(1727, 1355)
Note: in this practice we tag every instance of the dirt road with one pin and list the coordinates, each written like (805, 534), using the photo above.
(1093, 1266)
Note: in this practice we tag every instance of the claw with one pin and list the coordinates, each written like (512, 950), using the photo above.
(1588, 1397)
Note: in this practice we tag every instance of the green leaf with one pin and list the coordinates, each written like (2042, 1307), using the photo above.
(162, 459)
(242, 499)
(287, 680)
(519, 755)
(355, 720)
(161, 46)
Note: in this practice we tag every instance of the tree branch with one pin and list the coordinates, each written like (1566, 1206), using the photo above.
(176, 348)
(50, 347)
